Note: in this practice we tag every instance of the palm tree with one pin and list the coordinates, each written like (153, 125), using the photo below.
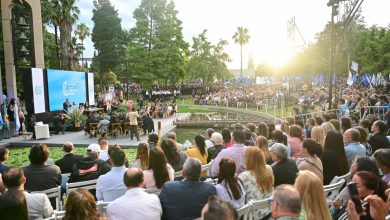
(82, 31)
(241, 37)
(67, 16)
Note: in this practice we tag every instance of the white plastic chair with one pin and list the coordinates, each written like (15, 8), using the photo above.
(102, 208)
(243, 212)
(332, 190)
(53, 193)
(258, 207)
(90, 184)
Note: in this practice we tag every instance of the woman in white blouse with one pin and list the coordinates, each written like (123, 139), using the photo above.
(229, 187)
(159, 170)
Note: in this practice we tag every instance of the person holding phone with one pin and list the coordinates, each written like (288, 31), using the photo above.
(367, 184)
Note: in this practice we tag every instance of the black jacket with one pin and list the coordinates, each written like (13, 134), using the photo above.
(285, 172)
(41, 177)
(378, 140)
(66, 163)
(88, 169)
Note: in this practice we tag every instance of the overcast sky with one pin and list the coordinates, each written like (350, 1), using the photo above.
(266, 21)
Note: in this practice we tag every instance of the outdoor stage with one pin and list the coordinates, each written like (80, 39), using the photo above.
(80, 139)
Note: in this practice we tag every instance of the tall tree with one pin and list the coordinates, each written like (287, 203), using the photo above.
(107, 37)
(67, 15)
(241, 37)
(157, 40)
(82, 32)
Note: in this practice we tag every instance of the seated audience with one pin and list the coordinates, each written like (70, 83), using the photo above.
(103, 126)
(353, 148)
(378, 208)
(110, 150)
(199, 151)
(229, 187)
(208, 142)
(142, 157)
(258, 180)
(103, 143)
(81, 205)
(4, 152)
(39, 176)
(110, 185)
(286, 203)
(378, 139)
(312, 196)
(185, 199)
(90, 167)
(285, 169)
(295, 140)
(334, 160)
(13, 205)
(317, 134)
(262, 144)
(66, 163)
(364, 140)
(262, 130)
(217, 208)
(227, 137)
(159, 170)
(213, 151)
(382, 157)
(312, 152)
(135, 203)
(248, 137)
(38, 204)
(236, 152)
(175, 157)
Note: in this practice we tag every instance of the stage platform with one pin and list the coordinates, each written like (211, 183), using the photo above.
(80, 139)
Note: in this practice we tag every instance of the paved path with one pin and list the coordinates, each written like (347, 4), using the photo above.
(79, 139)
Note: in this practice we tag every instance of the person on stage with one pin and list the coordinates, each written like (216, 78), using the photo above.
(66, 105)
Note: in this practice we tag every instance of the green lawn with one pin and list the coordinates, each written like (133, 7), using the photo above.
(19, 156)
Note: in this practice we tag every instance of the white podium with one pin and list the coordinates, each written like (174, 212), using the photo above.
(42, 131)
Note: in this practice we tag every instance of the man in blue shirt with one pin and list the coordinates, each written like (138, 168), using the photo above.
(352, 146)
(110, 186)
(4, 152)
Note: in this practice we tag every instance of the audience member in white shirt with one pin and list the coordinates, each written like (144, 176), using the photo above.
(135, 203)
(103, 143)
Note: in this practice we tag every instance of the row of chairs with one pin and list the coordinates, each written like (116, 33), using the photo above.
(113, 130)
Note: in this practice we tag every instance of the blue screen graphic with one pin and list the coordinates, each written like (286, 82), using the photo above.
(64, 84)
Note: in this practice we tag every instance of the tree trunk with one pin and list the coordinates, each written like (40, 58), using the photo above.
(66, 42)
(57, 49)
(241, 61)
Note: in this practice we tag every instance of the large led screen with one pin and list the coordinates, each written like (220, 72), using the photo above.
(64, 84)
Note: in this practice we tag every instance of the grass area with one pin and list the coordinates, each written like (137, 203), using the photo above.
(19, 156)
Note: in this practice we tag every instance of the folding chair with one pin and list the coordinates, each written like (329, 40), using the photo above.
(153, 191)
(90, 184)
(332, 190)
(53, 193)
(243, 212)
(116, 129)
(93, 130)
(102, 208)
(259, 209)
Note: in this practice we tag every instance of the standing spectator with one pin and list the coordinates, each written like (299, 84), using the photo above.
(148, 124)
(39, 176)
(312, 195)
(135, 203)
(199, 151)
(142, 157)
(213, 151)
(110, 185)
(38, 204)
(286, 203)
(378, 139)
(353, 148)
(334, 160)
(133, 117)
(312, 152)
(159, 170)
(236, 152)
(69, 159)
(4, 152)
(295, 141)
(81, 205)
(229, 187)
(175, 156)
(185, 199)
(258, 180)
(285, 169)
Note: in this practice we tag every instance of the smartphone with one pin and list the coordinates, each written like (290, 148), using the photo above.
(151, 145)
(353, 194)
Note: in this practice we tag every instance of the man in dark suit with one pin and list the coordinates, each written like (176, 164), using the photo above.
(285, 169)
(378, 139)
(66, 105)
(66, 163)
(185, 199)
(148, 124)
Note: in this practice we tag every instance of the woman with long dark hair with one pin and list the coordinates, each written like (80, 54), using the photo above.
(13, 205)
(311, 161)
(334, 160)
(199, 151)
(159, 170)
(175, 157)
(229, 187)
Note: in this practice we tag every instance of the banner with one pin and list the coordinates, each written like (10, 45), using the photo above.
(38, 90)
(91, 89)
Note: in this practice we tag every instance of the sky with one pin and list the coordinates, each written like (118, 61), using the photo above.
(265, 20)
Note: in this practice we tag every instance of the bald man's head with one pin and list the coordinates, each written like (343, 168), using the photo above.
(288, 199)
(133, 177)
